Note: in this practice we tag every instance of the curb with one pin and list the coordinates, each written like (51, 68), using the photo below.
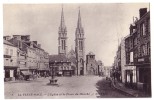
(122, 90)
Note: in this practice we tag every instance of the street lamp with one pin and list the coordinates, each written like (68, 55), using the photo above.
(53, 81)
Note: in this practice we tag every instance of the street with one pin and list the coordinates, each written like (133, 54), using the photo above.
(68, 87)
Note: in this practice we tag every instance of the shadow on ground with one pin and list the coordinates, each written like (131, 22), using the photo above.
(105, 90)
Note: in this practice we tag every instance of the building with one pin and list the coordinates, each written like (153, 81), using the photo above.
(117, 64)
(61, 64)
(123, 60)
(32, 59)
(80, 47)
(142, 60)
(100, 67)
(75, 58)
(21, 53)
(138, 56)
(130, 68)
(92, 67)
(10, 61)
(64, 63)
(72, 58)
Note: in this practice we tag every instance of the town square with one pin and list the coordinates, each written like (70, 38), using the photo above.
(77, 50)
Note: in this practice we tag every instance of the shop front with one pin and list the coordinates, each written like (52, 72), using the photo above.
(10, 73)
(130, 76)
(144, 78)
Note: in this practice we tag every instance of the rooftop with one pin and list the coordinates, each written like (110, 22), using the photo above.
(7, 43)
(58, 58)
(90, 53)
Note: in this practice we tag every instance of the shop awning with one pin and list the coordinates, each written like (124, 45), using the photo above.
(26, 73)
(7, 56)
(10, 67)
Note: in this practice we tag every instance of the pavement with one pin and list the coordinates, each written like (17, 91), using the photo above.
(68, 87)
(131, 92)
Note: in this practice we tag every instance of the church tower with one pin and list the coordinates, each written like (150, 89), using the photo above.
(80, 47)
(62, 39)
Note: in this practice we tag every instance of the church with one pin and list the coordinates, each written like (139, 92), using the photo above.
(72, 62)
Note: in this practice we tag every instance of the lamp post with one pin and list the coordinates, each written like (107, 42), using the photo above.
(53, 81)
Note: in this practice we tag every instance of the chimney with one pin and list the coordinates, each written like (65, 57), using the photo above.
(18, 37)
(25, 37)
(35, 42)
(31, 44)
(142, 11)
(6, 37)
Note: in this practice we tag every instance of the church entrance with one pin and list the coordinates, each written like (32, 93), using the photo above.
(81, 72)
(91, 71)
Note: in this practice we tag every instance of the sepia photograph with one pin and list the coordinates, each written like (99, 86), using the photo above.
(77, 50)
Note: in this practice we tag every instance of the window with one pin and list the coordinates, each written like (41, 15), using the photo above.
(11, 52)
(131, 57)
(135, 53)
(64, 44)
(6, 51)
(142, 29)
(134, 30)
(143, 50)
(80, 45)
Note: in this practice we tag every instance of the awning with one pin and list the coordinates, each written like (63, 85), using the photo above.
(7, 56)
(10, 67)
(26, 73)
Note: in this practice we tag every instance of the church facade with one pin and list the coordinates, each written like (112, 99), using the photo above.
(74, 62)
(75, 58)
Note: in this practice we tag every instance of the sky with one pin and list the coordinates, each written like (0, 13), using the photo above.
(104, 24)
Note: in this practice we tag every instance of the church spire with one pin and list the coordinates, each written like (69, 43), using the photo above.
(62, 39)
(79, 25)
(62, 23)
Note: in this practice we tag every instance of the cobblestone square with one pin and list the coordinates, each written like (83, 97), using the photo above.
(68, 87)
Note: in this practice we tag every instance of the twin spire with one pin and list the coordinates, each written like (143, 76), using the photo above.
(62, 23)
